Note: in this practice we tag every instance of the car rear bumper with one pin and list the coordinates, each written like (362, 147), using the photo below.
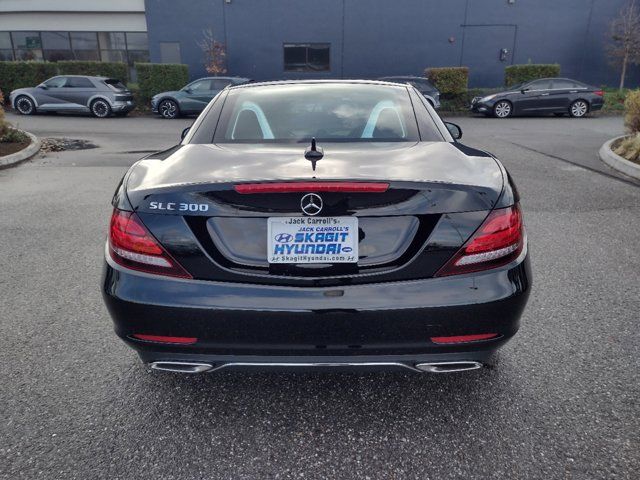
(596, 104)
(123, 106)
(240, 325)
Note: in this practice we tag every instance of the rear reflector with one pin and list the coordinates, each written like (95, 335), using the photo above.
(132, 246)
(292, 187)
(499, 240)
(600, 93)
(464, 338)
(163, 339)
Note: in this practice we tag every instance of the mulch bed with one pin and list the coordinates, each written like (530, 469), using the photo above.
(9, 148)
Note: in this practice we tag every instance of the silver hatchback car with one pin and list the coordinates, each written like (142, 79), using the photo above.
(100, 96)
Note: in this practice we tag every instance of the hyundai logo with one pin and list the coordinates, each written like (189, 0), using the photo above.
(283, 238)
(311, 204)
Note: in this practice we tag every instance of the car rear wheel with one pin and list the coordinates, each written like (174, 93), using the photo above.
(25, 105)
(579, 108)
(100, 108)
(502, 109)
(168, 109)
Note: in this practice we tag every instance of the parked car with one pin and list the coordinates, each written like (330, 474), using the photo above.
(559, 96)
(424, 86)
(192, 98)
(100, 96)
(317, 224)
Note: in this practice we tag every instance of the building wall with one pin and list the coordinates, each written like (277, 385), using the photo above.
(372, 38)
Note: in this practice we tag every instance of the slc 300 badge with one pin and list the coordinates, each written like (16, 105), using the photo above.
(179, 207)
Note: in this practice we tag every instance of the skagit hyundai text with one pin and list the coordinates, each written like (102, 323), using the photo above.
(317, 224)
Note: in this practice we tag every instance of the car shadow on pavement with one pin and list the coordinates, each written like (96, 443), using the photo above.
(350, 398)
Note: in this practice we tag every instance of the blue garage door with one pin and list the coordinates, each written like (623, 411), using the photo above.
(486, 51)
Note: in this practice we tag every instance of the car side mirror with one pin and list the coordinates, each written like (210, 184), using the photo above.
(454, 130)
(524, 90)
(43, 86)
(186, 90)
(184, 133)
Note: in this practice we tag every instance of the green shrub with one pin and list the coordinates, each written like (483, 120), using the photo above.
(450, 81)
(461, 102)
(13, 135)
(117, 70)
(4, 125)
(160, 77)
(24, 74)
(514, 74)
(632, 111)
(629, 148)
(614, 100)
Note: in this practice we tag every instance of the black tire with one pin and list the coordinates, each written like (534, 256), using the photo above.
(24, 105)
(100, 108)
(168, 109)
(502, 109)
(579, 108)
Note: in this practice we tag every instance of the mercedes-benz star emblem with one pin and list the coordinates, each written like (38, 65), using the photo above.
(311, 204)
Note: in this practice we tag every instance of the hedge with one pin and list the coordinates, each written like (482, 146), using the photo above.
(514, 74)
(449, 80)
(117, 70)
(154, 78)
(24, 74)
(632, 111)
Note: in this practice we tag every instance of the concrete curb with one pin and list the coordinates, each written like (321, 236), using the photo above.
(22, 155)
(616, 162)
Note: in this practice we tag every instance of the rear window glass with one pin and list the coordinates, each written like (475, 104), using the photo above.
(330, 112)
(115, 84)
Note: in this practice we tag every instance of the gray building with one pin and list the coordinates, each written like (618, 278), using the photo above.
(275, 39)
(278, 39)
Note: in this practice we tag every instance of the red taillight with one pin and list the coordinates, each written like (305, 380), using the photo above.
(464, 338)
(163, 339)
(132, 246)
(600, 93)
(289, 187)
(499, 240)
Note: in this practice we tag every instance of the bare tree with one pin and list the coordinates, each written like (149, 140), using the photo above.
(215, 53)
(624, 47)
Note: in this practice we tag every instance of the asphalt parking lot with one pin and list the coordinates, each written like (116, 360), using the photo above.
(560, 401)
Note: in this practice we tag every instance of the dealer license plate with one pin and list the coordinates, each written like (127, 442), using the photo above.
(312, 240)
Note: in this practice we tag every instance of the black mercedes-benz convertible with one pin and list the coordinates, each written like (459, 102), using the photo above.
(313, 224)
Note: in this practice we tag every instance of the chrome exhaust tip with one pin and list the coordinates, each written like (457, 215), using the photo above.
(448, 367)
(181, 367)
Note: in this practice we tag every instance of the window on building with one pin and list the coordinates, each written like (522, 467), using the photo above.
(123, 47)
(56, 46)
(306, 57)
(137, 47)
(6, 49)
(85, 45)
(113, 46)
(27, 45)
(170, 52)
